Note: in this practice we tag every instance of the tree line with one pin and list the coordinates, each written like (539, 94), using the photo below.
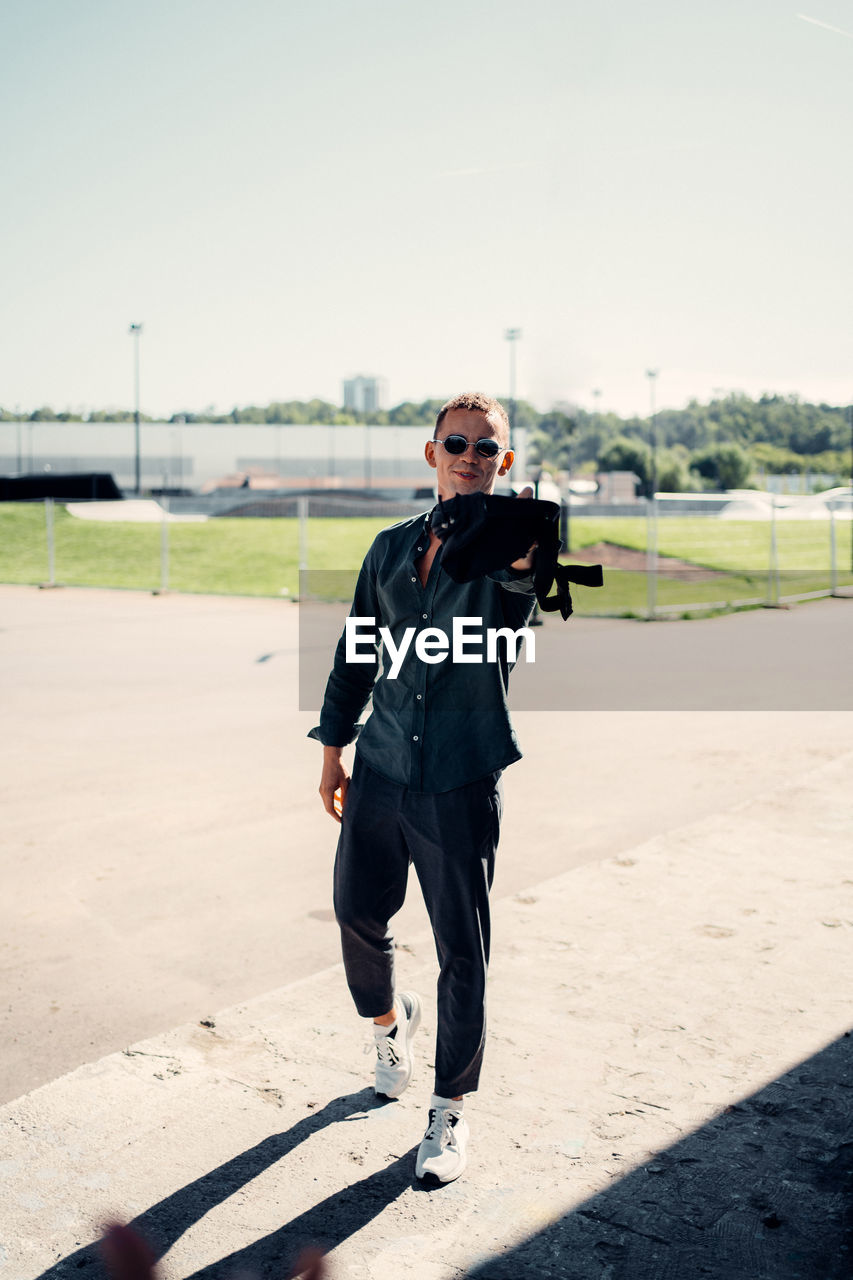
(720, 444)
(279, 412)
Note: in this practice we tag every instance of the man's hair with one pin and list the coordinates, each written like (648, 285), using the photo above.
(482, 403)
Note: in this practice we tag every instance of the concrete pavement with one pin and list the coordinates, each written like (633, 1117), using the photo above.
(666, 1092)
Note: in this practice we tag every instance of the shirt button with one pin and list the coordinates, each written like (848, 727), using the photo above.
(419, 696)
(414, 737)
(420, 548)
(414, 579)
(424, 615)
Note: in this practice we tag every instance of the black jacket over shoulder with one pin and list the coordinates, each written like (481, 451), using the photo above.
(439, 724)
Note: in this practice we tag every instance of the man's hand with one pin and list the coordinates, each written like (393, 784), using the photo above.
(334, 782)
(527, 562)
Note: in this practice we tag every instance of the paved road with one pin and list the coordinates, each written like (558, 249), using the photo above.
(790, 659)
(154, 772)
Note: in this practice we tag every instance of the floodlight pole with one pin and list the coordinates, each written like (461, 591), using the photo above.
(651, 508)
(136, 331)
(512, 336)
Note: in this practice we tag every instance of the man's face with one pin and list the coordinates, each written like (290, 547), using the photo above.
(468, 472)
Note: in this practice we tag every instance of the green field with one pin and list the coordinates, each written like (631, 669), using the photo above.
(261, 556)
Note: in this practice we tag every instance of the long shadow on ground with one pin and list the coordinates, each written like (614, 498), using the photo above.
(329, 1222)
(762, 1192)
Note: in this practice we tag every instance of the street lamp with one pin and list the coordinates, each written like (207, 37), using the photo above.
(651, 509)
(136, 331)
(851, 488)
(512, 336)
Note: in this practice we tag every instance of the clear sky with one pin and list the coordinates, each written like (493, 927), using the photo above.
(286, 194)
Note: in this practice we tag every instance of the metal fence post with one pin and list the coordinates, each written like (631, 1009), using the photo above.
(164, 545)
(302, 519)
(51, 541)
(302, 515)
(651, 557)
(773, 565)
(833, 555)
(565, 526)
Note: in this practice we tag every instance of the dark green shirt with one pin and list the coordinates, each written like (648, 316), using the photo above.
(442, 724)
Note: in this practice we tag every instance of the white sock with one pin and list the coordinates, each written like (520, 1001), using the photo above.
(379, 1030)
(436, 1101)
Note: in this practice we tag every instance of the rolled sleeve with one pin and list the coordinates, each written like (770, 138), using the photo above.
(520, 580)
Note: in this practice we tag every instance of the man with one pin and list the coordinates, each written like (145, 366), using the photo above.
(425, 781)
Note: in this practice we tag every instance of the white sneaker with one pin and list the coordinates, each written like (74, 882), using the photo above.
(442, 1155)
(394, 1055)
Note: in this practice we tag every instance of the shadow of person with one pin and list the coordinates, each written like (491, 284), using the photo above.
(166, 1221)
(326, 1224)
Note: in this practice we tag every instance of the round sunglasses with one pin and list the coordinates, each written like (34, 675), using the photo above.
(487, 447)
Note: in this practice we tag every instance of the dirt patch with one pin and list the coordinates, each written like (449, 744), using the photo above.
(615, 557)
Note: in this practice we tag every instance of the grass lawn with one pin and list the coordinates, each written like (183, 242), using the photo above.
(737, 549)
(261, 556)
(722, 544)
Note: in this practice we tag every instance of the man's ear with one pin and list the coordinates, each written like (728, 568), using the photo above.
(429, 453)
(508, 459)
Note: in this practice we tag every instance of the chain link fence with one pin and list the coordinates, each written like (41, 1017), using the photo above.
(661, 562)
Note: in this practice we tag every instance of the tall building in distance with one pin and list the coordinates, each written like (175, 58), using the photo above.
(365, 394)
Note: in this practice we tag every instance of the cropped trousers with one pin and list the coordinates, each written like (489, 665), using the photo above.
(451, 838)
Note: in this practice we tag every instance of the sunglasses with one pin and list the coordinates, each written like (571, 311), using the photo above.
(487, 448)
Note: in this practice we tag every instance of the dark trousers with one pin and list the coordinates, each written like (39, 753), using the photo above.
(451, 838)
